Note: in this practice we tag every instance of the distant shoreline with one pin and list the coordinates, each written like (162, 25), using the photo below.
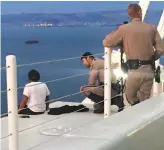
(89, 19)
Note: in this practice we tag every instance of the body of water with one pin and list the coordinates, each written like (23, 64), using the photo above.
(55, 43)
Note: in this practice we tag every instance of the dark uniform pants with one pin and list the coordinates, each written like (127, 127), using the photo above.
(96, 94)
(139, 84)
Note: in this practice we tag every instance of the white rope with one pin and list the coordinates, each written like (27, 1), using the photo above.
(64, 114)
(5, 136)
(59, 98)
(50, 61)
(46, 82)
(5, 114)
(55, 118)
(61, 116)
(50, 81)
(4, 91)
(3, 68)
(58, 80)
(21, 87)
(58, 60)
(52, 100)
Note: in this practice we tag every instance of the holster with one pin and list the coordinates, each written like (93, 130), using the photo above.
(124, 67)
(157, 75)
(157, 71)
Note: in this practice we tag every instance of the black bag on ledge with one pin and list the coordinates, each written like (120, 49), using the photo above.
(67, 109)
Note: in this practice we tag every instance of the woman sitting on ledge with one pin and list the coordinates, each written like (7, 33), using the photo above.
(35, 95)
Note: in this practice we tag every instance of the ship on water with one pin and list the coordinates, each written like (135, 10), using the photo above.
(32, 42)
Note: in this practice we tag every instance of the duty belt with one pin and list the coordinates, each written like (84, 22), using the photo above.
(135, 64)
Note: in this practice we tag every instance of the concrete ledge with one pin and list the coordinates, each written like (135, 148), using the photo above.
(89, 131)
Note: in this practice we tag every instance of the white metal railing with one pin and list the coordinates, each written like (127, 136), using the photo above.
(11, 72)
(158, 87)
(11, 68)
(107, 82)
(12, 102)
(144, 5)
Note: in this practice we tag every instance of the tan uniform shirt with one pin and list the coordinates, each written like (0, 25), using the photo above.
(139, 40)
(96, 72)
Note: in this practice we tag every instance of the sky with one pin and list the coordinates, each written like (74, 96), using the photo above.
(9, 7)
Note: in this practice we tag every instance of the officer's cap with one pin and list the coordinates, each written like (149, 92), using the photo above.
(86, 54)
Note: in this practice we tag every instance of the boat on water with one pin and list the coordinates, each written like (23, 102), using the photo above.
(32, 42)
(78, 131)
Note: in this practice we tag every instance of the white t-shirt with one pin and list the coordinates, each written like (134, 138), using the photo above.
(36, 93)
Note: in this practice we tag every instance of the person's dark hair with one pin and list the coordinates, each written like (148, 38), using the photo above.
(33, 75)
(87, 54)
(133, 10)
(125, 22)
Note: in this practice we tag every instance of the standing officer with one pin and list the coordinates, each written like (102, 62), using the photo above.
(139, 39)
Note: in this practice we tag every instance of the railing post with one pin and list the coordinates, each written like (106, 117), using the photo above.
(11, 73)
(162, 86)
(157, 87)
(107, 82)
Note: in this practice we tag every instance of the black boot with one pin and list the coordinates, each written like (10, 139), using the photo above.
(99, 102)
(96, 98)
(118, 101)
(99, 111)
(136, 102)
(98, 108)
